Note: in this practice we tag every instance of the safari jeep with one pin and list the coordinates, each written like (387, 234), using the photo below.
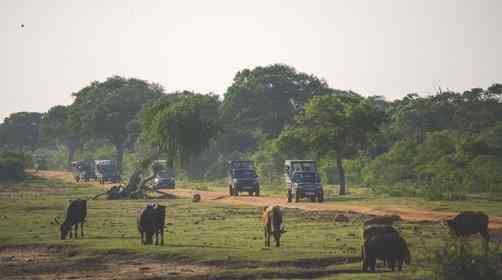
(242, 178)
(83, 170)
(303, 181)
(165, 178)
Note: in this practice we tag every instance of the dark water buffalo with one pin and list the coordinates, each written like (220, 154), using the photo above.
(150, 222)
(75, 214)
(272, 224)
(391, 248)
(372, 231)
(469, 223)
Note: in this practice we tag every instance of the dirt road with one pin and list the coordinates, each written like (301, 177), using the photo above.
(405, 213)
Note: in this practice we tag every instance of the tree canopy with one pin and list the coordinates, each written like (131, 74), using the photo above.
(56, 128)
(108, 110)
(341, 125)
(181, 127)
(20, 131)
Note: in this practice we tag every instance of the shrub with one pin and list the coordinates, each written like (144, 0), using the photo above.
(13, 165)
(458, 261)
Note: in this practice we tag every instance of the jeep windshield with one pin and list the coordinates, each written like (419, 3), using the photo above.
(303, 166)
(165, 174)
(305, 177)
(107, 168)
(244, 173)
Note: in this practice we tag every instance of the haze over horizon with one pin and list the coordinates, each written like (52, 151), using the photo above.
(388, 48)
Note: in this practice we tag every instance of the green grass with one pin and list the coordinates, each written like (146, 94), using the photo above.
(209, 233)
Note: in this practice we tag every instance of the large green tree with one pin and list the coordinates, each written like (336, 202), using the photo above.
(340, 125)
(109, 109)
(262, 101)
(20, 131)
(56, 128)
(181, 127)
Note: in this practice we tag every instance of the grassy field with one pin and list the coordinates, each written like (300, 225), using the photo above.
(207, 240)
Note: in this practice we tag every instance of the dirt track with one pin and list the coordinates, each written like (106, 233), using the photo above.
(405, 213)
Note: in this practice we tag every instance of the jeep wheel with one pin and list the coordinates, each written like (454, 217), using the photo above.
(77, 179)
(230, 191)
(236, 192)
(312, 199)
(297, 197)
(290, 196)
(320, 197)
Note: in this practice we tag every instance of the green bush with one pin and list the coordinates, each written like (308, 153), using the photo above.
(458, 261)
(13, 166)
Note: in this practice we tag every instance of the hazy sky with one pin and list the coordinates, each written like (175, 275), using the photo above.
(372, 47)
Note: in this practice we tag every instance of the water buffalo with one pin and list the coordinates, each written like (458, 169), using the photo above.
(391, 248)
(469, 223)
(372, 231)
(272, 224)
(75, 214)
(150, 222)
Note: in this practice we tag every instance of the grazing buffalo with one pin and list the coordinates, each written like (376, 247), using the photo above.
(469, 223)
(387, 247)
(150, 221)
(75, 214)
(272, 224)
(372, 231)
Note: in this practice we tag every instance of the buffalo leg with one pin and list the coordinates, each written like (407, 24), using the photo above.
(82, 229)
(277, 237)
(400, 265)
(392, 265)
(76, 230)
(162, 236)
(363, 260)
(266, 236)
(372, 263)
(142, 237)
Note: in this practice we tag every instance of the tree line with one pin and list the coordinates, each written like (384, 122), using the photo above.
(446, 142)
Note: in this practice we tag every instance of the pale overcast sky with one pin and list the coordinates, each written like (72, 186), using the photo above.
(381, 47)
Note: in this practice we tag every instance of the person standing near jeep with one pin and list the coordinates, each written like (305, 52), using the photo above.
(242, 178)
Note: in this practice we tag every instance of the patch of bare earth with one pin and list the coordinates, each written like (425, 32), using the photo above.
(409, 214)
(60, 262)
